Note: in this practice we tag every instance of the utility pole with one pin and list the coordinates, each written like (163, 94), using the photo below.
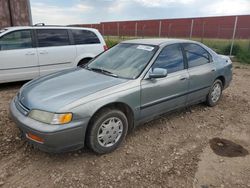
(191, 29)
(136, 29)
(10, 13)
(30, 14)
(118, 31)
(160, 29)
(235, 26)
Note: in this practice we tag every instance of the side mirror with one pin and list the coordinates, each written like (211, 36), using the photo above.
(158, 73)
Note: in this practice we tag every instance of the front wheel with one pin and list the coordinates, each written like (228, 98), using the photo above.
(107, 131)
(215, 93)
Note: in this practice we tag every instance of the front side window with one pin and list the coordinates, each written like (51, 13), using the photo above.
(170, 58)
(16, 40)
(196, 55)
(124, 60)
(52, 37)
(84, 37)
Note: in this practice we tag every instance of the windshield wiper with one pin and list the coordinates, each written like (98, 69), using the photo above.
(102, 71)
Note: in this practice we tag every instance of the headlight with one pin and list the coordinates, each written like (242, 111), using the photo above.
(51, 118)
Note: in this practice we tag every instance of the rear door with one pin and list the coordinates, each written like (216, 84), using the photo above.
(55, 51)
(164, 94)
(201, 71)
(87, 43)
(18, 57)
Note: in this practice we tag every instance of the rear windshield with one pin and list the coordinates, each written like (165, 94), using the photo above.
(85, 37)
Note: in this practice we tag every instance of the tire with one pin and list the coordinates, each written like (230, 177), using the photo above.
(215, 93)
(107, 131)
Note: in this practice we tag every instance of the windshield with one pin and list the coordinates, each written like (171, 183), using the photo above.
(124, 60)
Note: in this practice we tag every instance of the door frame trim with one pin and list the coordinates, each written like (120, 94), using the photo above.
(35, 66)
(171, 98)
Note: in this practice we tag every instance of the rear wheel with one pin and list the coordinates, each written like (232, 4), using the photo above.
(107, 131)
(215, 93)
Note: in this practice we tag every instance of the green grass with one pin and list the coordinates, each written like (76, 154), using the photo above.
(241, 49)
(243, 57)
(111, 43)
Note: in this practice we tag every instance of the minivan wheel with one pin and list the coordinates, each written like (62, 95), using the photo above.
(107, 131)
(214, 93)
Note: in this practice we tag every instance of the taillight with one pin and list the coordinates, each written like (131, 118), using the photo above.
(105, 47)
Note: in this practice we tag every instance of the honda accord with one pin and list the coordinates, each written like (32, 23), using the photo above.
(135, 81)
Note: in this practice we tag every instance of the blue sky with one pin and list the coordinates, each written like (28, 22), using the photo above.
(94, 11)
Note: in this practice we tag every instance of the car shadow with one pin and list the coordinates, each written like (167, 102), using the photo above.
(12, 85)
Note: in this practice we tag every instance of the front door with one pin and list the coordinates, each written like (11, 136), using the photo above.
(164, 94)
(18, 58)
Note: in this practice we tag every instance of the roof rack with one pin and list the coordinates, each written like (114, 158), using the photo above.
(39, 24)
(43, 24)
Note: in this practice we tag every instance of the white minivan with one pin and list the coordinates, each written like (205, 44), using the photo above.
(32, 51)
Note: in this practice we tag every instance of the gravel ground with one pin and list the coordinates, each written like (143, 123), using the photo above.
(171, 151)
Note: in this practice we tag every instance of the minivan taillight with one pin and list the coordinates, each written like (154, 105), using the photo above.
(105, 47)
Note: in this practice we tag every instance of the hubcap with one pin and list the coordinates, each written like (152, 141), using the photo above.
(216, 92)
(110, 132)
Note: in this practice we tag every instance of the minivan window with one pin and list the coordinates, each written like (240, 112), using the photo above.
(16, 40)
(196, 55)
(170, 58)
(52, 37)
(84, 37)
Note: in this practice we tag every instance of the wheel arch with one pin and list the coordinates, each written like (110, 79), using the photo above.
(222, 79)
(125, 108)
(84, 60)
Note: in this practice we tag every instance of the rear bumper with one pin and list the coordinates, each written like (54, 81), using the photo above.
(228, 80)
(57, 138)
(228, 75)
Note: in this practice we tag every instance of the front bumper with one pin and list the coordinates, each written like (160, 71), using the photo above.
(57, 138)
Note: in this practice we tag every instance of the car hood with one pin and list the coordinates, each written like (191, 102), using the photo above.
(54, 91)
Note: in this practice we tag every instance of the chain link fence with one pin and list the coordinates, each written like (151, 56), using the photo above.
(223, 34)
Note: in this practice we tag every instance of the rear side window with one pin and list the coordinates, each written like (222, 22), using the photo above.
(85, 37)
(52, 37)
(16, 40)
(196, 55)
(170, 58)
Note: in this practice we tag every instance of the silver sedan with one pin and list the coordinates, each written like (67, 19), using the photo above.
(133, 82)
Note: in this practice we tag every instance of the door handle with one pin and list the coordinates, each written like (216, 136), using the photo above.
(30, 53)
(183, 78)
(43, 52)
(213, 70)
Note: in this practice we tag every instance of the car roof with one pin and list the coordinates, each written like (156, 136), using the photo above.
(166, 41)
(48, 27)
(158, 41)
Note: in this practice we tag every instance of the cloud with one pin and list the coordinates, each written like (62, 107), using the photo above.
(51, 14)
(117, 7)
(224, 7)
(160, 3)
(80, 8)
(95, 11)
